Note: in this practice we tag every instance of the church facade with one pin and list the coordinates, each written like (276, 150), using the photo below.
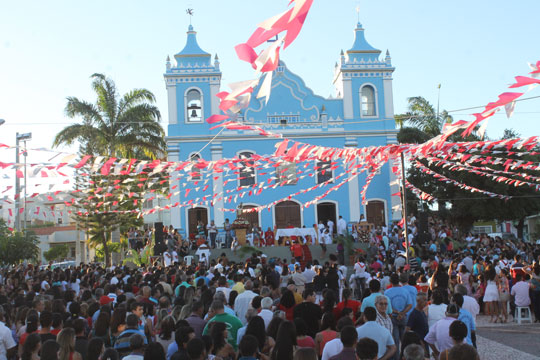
(360, 114)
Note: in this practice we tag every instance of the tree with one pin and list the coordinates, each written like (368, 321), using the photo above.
(423, 116)
(114, 126)
(15, 247)
(58, 252)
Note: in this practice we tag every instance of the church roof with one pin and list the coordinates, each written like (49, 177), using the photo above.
(360, 43)
(192, 47)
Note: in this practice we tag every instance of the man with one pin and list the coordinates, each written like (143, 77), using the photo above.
(138, 308)
(401, 304)
(520, 292)
(239, 286)
(132, 327)
(413, 352)
(341, 226)
(45, 320)
(222, 286)
(243, 300)
(212, 233)
(374, 288)
(136, 344)
(298, 278)
(334, 347)
(167, 288)
(465, 317)
(249, 348)
(469, 303)
(266, 312)
(463, 351)
(217, 313)
(81, 341)
(8, 347)
(309, 312)
(367, 349)
(196, 349)
(182, 336)
(408, 282)
(228, 233)
(381, 335)
(167, 258)
(348, 337)
(195, 320)
(418, 321)
(250, 314)
(330, 225)
(438, 337)
(383, 319)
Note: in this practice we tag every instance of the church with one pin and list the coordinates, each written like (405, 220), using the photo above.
(360, 114)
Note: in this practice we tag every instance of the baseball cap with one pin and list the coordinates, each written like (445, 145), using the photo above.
(104, 300)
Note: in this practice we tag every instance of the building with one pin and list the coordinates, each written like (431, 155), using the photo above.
(361, 114)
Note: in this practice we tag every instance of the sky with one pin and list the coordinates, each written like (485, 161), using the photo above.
(49, 50)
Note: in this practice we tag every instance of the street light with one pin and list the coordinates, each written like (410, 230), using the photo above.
(20, 137)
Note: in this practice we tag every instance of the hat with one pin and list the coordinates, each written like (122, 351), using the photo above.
(452, 309)
(104, 300)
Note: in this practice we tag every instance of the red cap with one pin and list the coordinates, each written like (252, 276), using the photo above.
(104, 300)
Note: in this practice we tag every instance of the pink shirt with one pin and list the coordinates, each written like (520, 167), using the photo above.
(521, 292)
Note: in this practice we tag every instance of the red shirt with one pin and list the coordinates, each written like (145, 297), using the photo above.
(297, 250)
(289, 312)
(351, 304)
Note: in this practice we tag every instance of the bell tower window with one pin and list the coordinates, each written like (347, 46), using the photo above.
(367, 96)
(194, 110)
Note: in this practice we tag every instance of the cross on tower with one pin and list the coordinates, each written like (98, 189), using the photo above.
(190, 13)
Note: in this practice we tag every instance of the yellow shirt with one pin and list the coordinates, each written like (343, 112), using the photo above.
(239, 287)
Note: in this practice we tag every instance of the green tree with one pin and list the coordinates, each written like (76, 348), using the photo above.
(15, 247)
(422, 115)
(58, 252)
(114, 126)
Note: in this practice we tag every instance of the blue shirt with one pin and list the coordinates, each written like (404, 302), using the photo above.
(399, 297)
(370, 302)
(466, 317)
(412, 292)
(378, 333)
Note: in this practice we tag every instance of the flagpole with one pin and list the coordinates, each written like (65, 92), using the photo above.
(404, 207)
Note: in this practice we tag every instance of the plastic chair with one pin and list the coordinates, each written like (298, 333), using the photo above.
(188, 260)
(519, 314)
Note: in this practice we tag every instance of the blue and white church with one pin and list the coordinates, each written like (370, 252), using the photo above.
(360, 114)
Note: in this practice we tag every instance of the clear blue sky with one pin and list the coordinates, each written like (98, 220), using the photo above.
(48, 50)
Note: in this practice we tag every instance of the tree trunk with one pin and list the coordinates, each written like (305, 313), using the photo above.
(107, 255)
(519, 228)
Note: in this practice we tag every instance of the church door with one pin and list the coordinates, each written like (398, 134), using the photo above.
(327, 211)
(251, 217)
(194, 215)
(375, 213)
(288, 214)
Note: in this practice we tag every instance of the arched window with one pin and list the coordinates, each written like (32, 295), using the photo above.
(193, 106)
(247, 172)
(324, 171)
(368, 101)
(286, 173)
(194, 172)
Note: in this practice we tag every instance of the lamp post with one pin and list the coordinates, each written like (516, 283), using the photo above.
(20, 137)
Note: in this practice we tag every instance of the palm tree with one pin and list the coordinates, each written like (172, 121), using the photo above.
(423, 116)
(113, 126)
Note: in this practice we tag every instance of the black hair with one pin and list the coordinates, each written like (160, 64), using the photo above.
(367, 348)
(348, 336)
(248, 346)
(370, 313)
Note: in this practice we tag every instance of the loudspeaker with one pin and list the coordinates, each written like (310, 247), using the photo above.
(159, 233)
(159, 248)
(422, 223)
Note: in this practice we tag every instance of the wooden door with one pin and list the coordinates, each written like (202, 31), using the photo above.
(288, 213)
(251, 217)
(375, 213)
(194, 215)
(327, 211)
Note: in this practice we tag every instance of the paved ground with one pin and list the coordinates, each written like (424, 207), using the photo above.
(508, 341)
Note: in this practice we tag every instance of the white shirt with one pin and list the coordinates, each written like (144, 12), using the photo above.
(341, 226)
(471, 305)
(267, 316)
(242, 304)
(521, 293)
(436, 313)
(309, 274)
(331, 348)
(174, 256)
(224, 290)
(167, 258)
(6, 341)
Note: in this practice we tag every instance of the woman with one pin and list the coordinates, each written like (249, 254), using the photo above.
(66, 340)
(504, 293)
(118, 324)
(49, 350)
(101, 328)
(166, 335)
(302, 338)
(31, 327)
(328, 332)
(95, 349)
(464, 278)
(287, 304)
(31, 347)
(256, 328)
(437, 310)
(219, 335)
(347, 303)
(285, 342)
(274, 325)
(491, 295)
(285, 276)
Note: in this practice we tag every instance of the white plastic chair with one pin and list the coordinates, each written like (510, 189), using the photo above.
(519, 314)
(188, 260)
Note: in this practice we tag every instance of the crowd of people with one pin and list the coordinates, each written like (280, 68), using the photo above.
(387, 306)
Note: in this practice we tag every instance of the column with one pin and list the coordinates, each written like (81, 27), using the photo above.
(173, 153)
(354, 186)
(217, 154)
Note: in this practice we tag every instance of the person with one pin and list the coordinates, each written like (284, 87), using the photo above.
(371, 329)
(182, 335)
(367, 349)
(136, 345)
(45, 320)
(341, 226)
(243, 300)
(249, 348)
(383, 318)
(458, 333)
(196, 349)
(219, 334)
(122, 344)
(166, 333)
(49, 350)
(438, 337)
(8, 346)
(256, 328)
(309, 312)
(328, 332)
(287, 304)
(463, 351)
(347, 303)
(227, 226)
(66, 340)
(95, 349)
(305, 354)
(413, 352)
(302, 338)
(81, 341)
(418, 321)
(285, 342)
(437, 309)
(31, 347)
(504, 294)
(520, 292)
(491, 294)
(212, 233)
(217, 310)
(195, 320)
(110, 354)
(348, 337)
(266, 313)
(465, 317)
(401, 304)
(374, 288)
